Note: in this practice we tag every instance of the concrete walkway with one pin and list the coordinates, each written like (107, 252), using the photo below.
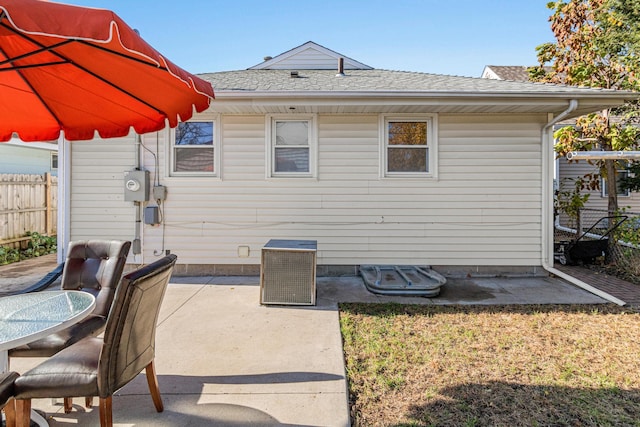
(225, 360)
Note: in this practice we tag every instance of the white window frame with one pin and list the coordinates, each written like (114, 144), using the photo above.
(54, 155)
(432, 144)
(216, 147)
(270, 145)
(603, 185)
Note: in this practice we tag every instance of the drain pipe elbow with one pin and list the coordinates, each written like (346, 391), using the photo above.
(573, 105)
(579, 283)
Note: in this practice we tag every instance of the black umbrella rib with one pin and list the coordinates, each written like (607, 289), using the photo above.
(51, 48)
(24, 67)
(42, 47)
(36, 52)
(122, 55)
(37, 95)
(118, 88)
(97, 76)
(64, 59)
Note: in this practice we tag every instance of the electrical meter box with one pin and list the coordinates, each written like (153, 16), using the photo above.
(136, 186)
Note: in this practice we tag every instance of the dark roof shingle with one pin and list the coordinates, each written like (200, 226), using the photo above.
(375, 80)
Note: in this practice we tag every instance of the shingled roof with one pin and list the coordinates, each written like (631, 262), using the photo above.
(302, 79)
(375, 80)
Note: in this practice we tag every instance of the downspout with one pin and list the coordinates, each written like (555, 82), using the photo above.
(547, 211)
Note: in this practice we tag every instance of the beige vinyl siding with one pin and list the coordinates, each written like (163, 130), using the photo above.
(483, 210)
(97, 206)
(310, 59)
(578, 169)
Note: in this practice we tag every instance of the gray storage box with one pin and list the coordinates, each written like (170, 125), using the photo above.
(288, 272)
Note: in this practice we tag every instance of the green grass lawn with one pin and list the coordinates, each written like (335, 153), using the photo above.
(558, 365)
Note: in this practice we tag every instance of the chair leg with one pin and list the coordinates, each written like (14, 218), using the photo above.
(106, 412)
(10, 413)
(88, 402)
(68, 404)
(152, 380)
(23, 412)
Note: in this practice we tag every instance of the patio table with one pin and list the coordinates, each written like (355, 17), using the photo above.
(25, 318)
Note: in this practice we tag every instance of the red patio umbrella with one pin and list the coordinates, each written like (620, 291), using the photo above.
(81, 70)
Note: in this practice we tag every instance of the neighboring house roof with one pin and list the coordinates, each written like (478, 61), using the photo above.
(516, 73)
(314, 88)
(18, 157)
(45, 145)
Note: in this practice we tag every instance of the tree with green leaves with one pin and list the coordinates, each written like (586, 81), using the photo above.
(597, 45)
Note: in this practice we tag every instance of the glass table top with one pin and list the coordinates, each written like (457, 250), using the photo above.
(29, 314)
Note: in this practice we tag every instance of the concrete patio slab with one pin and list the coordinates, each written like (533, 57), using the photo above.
(223, 359)
(485, 291)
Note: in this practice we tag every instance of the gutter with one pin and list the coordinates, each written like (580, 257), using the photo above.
(547, 247)
(618, 96)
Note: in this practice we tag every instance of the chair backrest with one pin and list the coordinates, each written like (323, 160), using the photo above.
(129, 337)
(95, 266)
(6, 386)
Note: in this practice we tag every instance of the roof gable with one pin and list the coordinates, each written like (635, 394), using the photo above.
(309, 56)
(40, 145)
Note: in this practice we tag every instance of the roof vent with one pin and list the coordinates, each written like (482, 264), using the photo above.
(340, 67)
(294, 75)
(267, 58)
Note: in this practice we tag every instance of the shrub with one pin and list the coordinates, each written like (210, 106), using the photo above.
(37, 245)
(8, 255)
(40, 245)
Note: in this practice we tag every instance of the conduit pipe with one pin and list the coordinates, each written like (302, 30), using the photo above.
(593, 155)
(547, 249)
(136, 244)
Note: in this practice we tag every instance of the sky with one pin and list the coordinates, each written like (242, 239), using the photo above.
(454, 37)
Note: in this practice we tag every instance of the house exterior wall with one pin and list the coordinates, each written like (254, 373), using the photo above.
(568, 172)
(483, 210)
(25, 160)
(97, 206)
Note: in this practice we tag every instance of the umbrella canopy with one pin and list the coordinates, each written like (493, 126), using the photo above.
(80, 70)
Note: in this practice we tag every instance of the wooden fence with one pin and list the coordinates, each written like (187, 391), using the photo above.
(28, 203)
